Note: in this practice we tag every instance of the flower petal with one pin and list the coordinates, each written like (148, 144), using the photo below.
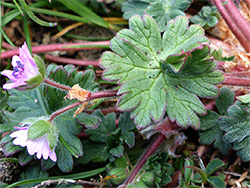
(8, 73)
(20, 82)
(52, 156)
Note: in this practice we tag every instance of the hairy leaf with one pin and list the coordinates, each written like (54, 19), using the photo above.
(155, 71)
(161, 10)
(206, 17)
(133, 7)
(237, 128)
(210, 128)
(165, 10)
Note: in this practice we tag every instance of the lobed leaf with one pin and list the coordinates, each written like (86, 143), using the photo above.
(156, 71)
(210, 128)
(161, 10)
(237, 126)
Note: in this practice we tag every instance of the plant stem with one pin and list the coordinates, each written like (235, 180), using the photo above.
(236, 81)
(71, 61)
(237, 18)
(56, 85)
(102, 94)
(157, 142)
(244, 42)
(60, 47)
(92, 96)
(65, 109)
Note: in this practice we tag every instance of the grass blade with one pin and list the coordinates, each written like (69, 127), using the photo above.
(71, 176)
(85, 12)
(33, 16)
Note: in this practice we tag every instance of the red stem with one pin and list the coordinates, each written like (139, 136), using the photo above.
(103, 94)
(157, 142)
(56, 47)
(65, 109)
(234, 28)
(96, 95)
(56, 85)
(237, 18)
(104, 111)
(236, 81)
(71, 61)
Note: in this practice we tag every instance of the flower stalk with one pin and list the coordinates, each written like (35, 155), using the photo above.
(102, 94)
(56, 85)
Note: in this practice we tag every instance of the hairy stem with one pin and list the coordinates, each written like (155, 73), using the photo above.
(157, 142)
(71, 61)
(102, 94)
(237, 18)
(56, 85)
(65, 109)
(236, 81)
(60, 47)
(92, 96)
(234, 28)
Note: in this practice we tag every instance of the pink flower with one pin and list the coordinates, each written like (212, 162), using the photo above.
(24, 69)
(39, 146)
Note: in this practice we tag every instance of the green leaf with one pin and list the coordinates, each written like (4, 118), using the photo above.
(146, 80)
(161, 10)
(214, 166)
(127, 126)
(52, 137)
(104, 129)
(225, 100)
(244, 98)
(10, 149)
(38, 129)
(69, 130)
(47, 164)
(188, 171)
(147, 83)
(210, 131)
(133, 7)
(216, 182)
(237, 128)
(90, 121)
(29, 99)
(165, 10)
(117, 151)
(210, 128)
(64, 158)
(95, 152)
(31, 172)
(206, 17)
(24, 158)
